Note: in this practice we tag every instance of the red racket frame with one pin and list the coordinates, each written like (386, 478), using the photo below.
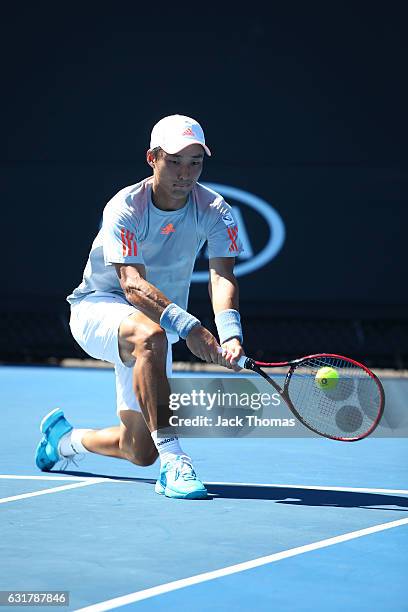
(255, 366)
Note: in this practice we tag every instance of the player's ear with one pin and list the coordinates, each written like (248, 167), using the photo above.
(150, 158)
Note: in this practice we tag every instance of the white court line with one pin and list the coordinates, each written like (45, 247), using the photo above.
(230, 484)
(76, 485)
(234, 569)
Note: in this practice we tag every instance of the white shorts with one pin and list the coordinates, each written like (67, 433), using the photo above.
(94, 323)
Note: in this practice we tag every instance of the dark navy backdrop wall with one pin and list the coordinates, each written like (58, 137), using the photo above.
(303, 107)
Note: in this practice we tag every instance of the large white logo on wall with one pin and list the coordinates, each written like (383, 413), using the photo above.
(247, 261)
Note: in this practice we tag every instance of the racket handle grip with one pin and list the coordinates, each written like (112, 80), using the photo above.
(241, 361)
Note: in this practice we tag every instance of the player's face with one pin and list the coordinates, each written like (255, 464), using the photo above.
(175, 175)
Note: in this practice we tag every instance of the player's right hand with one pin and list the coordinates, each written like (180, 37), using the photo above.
(204, 345)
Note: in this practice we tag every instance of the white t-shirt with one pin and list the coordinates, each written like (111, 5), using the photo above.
(166, 242)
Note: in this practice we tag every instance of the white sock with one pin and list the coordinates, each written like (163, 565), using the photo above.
(71, 443)
(168, 447)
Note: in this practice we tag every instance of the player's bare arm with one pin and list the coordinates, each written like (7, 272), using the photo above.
(149, 300)
(224, 294)
(138, 291)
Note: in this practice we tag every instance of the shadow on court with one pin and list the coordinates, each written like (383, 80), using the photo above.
(107, 476)
(281, 495)
(311, 497)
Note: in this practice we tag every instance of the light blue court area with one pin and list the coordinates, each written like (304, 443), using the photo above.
(290, 524)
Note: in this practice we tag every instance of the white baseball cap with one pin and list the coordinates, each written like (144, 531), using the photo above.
(175, 132)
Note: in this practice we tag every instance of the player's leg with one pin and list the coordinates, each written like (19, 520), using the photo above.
(94, 324)
(131, 440)
(107, 327)
(146, 342)
(135, 440)
(143, 346)
(142, 385)
(103, 330)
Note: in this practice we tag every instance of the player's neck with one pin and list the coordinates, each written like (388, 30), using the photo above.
(164, 201)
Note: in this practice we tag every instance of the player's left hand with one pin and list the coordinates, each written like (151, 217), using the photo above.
(231, 352)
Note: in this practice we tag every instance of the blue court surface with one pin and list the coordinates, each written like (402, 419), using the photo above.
(290, 524)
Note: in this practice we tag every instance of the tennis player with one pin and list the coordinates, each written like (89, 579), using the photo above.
(132, 305)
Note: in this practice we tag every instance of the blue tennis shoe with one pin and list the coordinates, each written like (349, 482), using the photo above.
(178, 479)
(53, 427)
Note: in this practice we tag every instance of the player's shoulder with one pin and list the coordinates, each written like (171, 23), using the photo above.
(130, 200)
(210, 203)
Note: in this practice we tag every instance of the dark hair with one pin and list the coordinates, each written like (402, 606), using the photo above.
(156, 152)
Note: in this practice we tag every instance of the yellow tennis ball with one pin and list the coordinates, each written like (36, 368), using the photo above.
(327, 378)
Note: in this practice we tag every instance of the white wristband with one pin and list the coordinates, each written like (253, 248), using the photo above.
(228, 324)
(175, 319)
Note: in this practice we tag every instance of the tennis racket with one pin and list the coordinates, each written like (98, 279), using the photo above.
(334, 396)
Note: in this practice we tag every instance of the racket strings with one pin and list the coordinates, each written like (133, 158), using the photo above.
(347, 408)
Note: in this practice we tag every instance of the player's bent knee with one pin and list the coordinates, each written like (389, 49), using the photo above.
(152, 339)
(139, 336)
